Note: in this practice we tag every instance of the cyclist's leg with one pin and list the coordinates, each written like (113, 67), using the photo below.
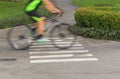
(30, 9)
(39, 22)
(40, 26)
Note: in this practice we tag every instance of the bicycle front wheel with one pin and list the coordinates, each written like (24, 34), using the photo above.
(19, 37)
(62, 37)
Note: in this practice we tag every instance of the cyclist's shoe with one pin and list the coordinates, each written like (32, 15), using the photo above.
(42, 40)
(37, 37)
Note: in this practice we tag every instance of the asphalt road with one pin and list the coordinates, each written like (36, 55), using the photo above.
(90, 59)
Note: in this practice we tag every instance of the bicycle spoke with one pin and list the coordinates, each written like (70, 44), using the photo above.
(62, 33)
(18, 37)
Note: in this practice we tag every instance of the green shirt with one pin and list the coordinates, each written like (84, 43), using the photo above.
(33, 5)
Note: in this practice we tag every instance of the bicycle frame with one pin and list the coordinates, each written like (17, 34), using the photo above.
(50, 23)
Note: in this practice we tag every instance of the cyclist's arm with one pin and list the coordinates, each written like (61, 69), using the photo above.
(49, 5)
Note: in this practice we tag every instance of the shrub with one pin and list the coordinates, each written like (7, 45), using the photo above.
(98, 22)
(13, 21)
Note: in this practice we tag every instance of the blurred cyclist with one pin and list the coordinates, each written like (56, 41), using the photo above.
(31, 8)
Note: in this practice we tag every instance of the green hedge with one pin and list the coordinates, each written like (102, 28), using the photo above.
(13, 21)
(98, 22)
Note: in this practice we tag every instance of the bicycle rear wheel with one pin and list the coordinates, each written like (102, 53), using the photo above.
(62, 37)
(19, 37)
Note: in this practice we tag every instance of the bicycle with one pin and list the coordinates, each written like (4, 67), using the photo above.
(21, 37)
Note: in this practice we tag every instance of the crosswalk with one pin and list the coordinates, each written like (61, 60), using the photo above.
(47, 53)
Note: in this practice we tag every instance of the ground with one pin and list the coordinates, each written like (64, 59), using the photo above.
(90, 58)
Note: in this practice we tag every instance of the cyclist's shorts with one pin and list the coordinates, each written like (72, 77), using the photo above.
(31, 8)
(34, 16)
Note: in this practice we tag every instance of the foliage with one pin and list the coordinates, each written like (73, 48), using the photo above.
(86, 3)
(98, 22)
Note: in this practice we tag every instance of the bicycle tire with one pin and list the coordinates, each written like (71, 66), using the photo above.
(18, 37)
(58, 30)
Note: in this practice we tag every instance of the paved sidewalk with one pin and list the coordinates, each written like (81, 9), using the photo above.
(3, 33)
(68, 8)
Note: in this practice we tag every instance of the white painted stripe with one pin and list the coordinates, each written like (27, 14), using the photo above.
(58, 38)
(52, 45)
(59, 56)
(68, 51)
(52, 56)
(64, 60)
(57, 41)
(49, 42)
(54, 49)
(46, 43)
(52, 38)
(85, 55)
(70, 38)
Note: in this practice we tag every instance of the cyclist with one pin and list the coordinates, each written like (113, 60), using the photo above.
(31, 8)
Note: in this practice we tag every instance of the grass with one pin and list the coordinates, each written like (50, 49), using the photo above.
(9, 9)
(85, 3)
